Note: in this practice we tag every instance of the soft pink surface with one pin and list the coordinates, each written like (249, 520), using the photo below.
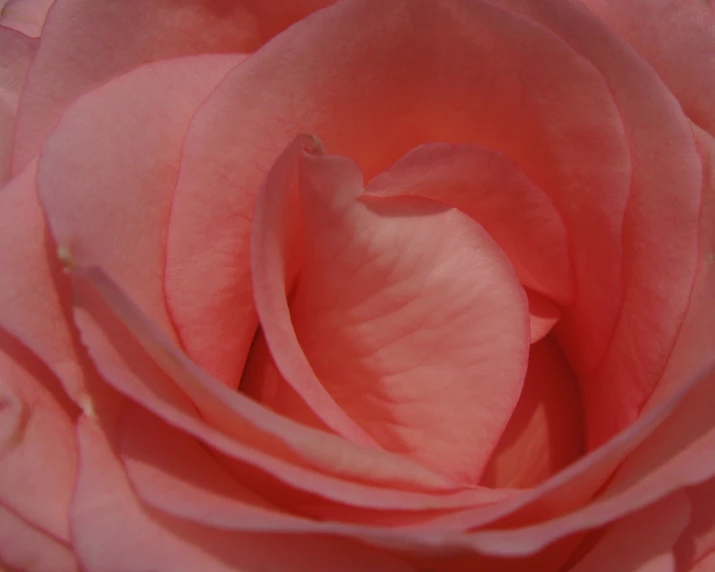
(26, 16)
(664, 195)
(699, 538)
(564, 133)
(24, 547)
(705, 564)
(87, 43)
(422, 313)
(495, 192)
(545, 432)
(16, 53)
(642, 541)
(34, 296)
(568, 135)
(110, 525)
(112, 207)
(677, 39)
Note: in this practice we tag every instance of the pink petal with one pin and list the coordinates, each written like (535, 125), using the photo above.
(494, 191)
(25, 548)
(16, 53)
(111, 528)
(543, 315)
(87, 43)
(641, 542)
(699, 538)
(247, 432)
(34, 295)
(658, 271)
(545, 432)
(106, 178)
(676, 37)
(38, 453)
(705, 564)
(407, 312)
(173, 472)
(426, 71)
(26, 16)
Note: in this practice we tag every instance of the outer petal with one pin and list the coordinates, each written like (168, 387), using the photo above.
(26, 16)
(641, 542)
(16, 53)
(25, 548)
(406, 311)
(678, 38)
(38, 453)
(34, 296)
(665, 191)
(426, 71)
(107, 173)
(112, 529)
(86, 43)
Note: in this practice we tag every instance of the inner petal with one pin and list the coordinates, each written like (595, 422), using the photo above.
(412, 318)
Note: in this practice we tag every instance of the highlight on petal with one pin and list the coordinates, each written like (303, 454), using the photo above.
(106, 179)
(16, 53)
(676, 37)
(405, 311)
(110, 525)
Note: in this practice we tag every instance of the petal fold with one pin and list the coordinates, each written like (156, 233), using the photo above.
(408, 314)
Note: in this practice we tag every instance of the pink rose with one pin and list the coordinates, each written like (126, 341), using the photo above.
(395, 285)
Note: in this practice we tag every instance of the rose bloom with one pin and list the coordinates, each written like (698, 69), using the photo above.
(367, 285)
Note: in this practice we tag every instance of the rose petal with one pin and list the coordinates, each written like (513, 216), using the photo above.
(26, 16)
(675, 455)
(699, 538)
(111, 526)
(676, 37)
(641, 542)
(87, 43)
(543, 315)
(25, 548)
(262, 438)
(406, 311)
(106, 179)
(705, 564)
(427, 71)
(34, 296)
(494, 191)
(545, 432)
(16, 53)
(174, 473)
(38, 452)
(658, 271)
